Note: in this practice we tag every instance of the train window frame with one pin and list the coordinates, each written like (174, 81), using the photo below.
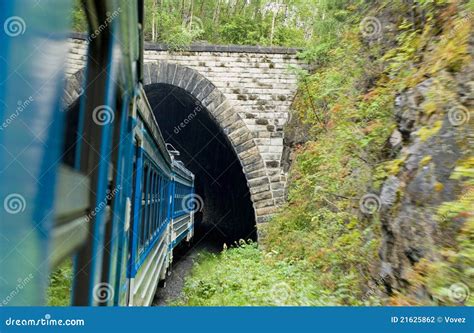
(141, 241)
(152, 206)
(162, 221)
(158, 203)
(148, 202)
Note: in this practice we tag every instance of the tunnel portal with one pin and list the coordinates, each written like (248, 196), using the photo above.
(227, 214)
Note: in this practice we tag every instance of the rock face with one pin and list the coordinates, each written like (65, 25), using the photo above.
(428, 147)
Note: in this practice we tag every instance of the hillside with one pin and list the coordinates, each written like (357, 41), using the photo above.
(379, 153)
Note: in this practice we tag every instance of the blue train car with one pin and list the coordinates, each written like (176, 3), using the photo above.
(185, 203)
(99, 184)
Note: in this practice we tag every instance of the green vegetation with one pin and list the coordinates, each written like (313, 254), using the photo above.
(226, 22)
(457, 265)
(320, 246)
(320, 249)
(245, 275)
(318, 234)
(297, 23)
(59, 291)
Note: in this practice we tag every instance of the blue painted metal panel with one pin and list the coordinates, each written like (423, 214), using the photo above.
(102, 184)
(139, 255)
(33, 47)
(136, 214)
(123, 182)
(286, 319)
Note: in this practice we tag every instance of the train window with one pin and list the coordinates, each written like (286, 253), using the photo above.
(152, 206)
(167, 195)
(179, 198)
(148, 210)
(158, 208)
(153, 215)
(166, 199)
(163, 202)
(143, 209)
(158, 202)
(176, 199)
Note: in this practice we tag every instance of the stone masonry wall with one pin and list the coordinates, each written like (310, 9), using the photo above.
(260, 85)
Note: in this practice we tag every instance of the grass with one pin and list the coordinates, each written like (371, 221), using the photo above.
(320, 249)
(59, 291)
(247, 276)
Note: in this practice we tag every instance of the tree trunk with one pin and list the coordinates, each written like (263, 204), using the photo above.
(201, 10)
(216, 12)
(153, 21)
(275, 14)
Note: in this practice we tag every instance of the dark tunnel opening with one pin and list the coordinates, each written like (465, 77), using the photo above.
(227, 213)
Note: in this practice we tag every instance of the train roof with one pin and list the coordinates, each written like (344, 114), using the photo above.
(150, 122)
(181, 170)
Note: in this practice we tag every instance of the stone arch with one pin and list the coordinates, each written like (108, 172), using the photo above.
(73, 88)
(227, 116)
(222, 111)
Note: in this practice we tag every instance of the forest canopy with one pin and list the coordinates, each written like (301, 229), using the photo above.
(291, 23)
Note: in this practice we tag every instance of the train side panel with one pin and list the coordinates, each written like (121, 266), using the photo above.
(184, 204)
(151, 227)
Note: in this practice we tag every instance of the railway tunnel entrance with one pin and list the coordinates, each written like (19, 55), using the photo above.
(227, 213)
